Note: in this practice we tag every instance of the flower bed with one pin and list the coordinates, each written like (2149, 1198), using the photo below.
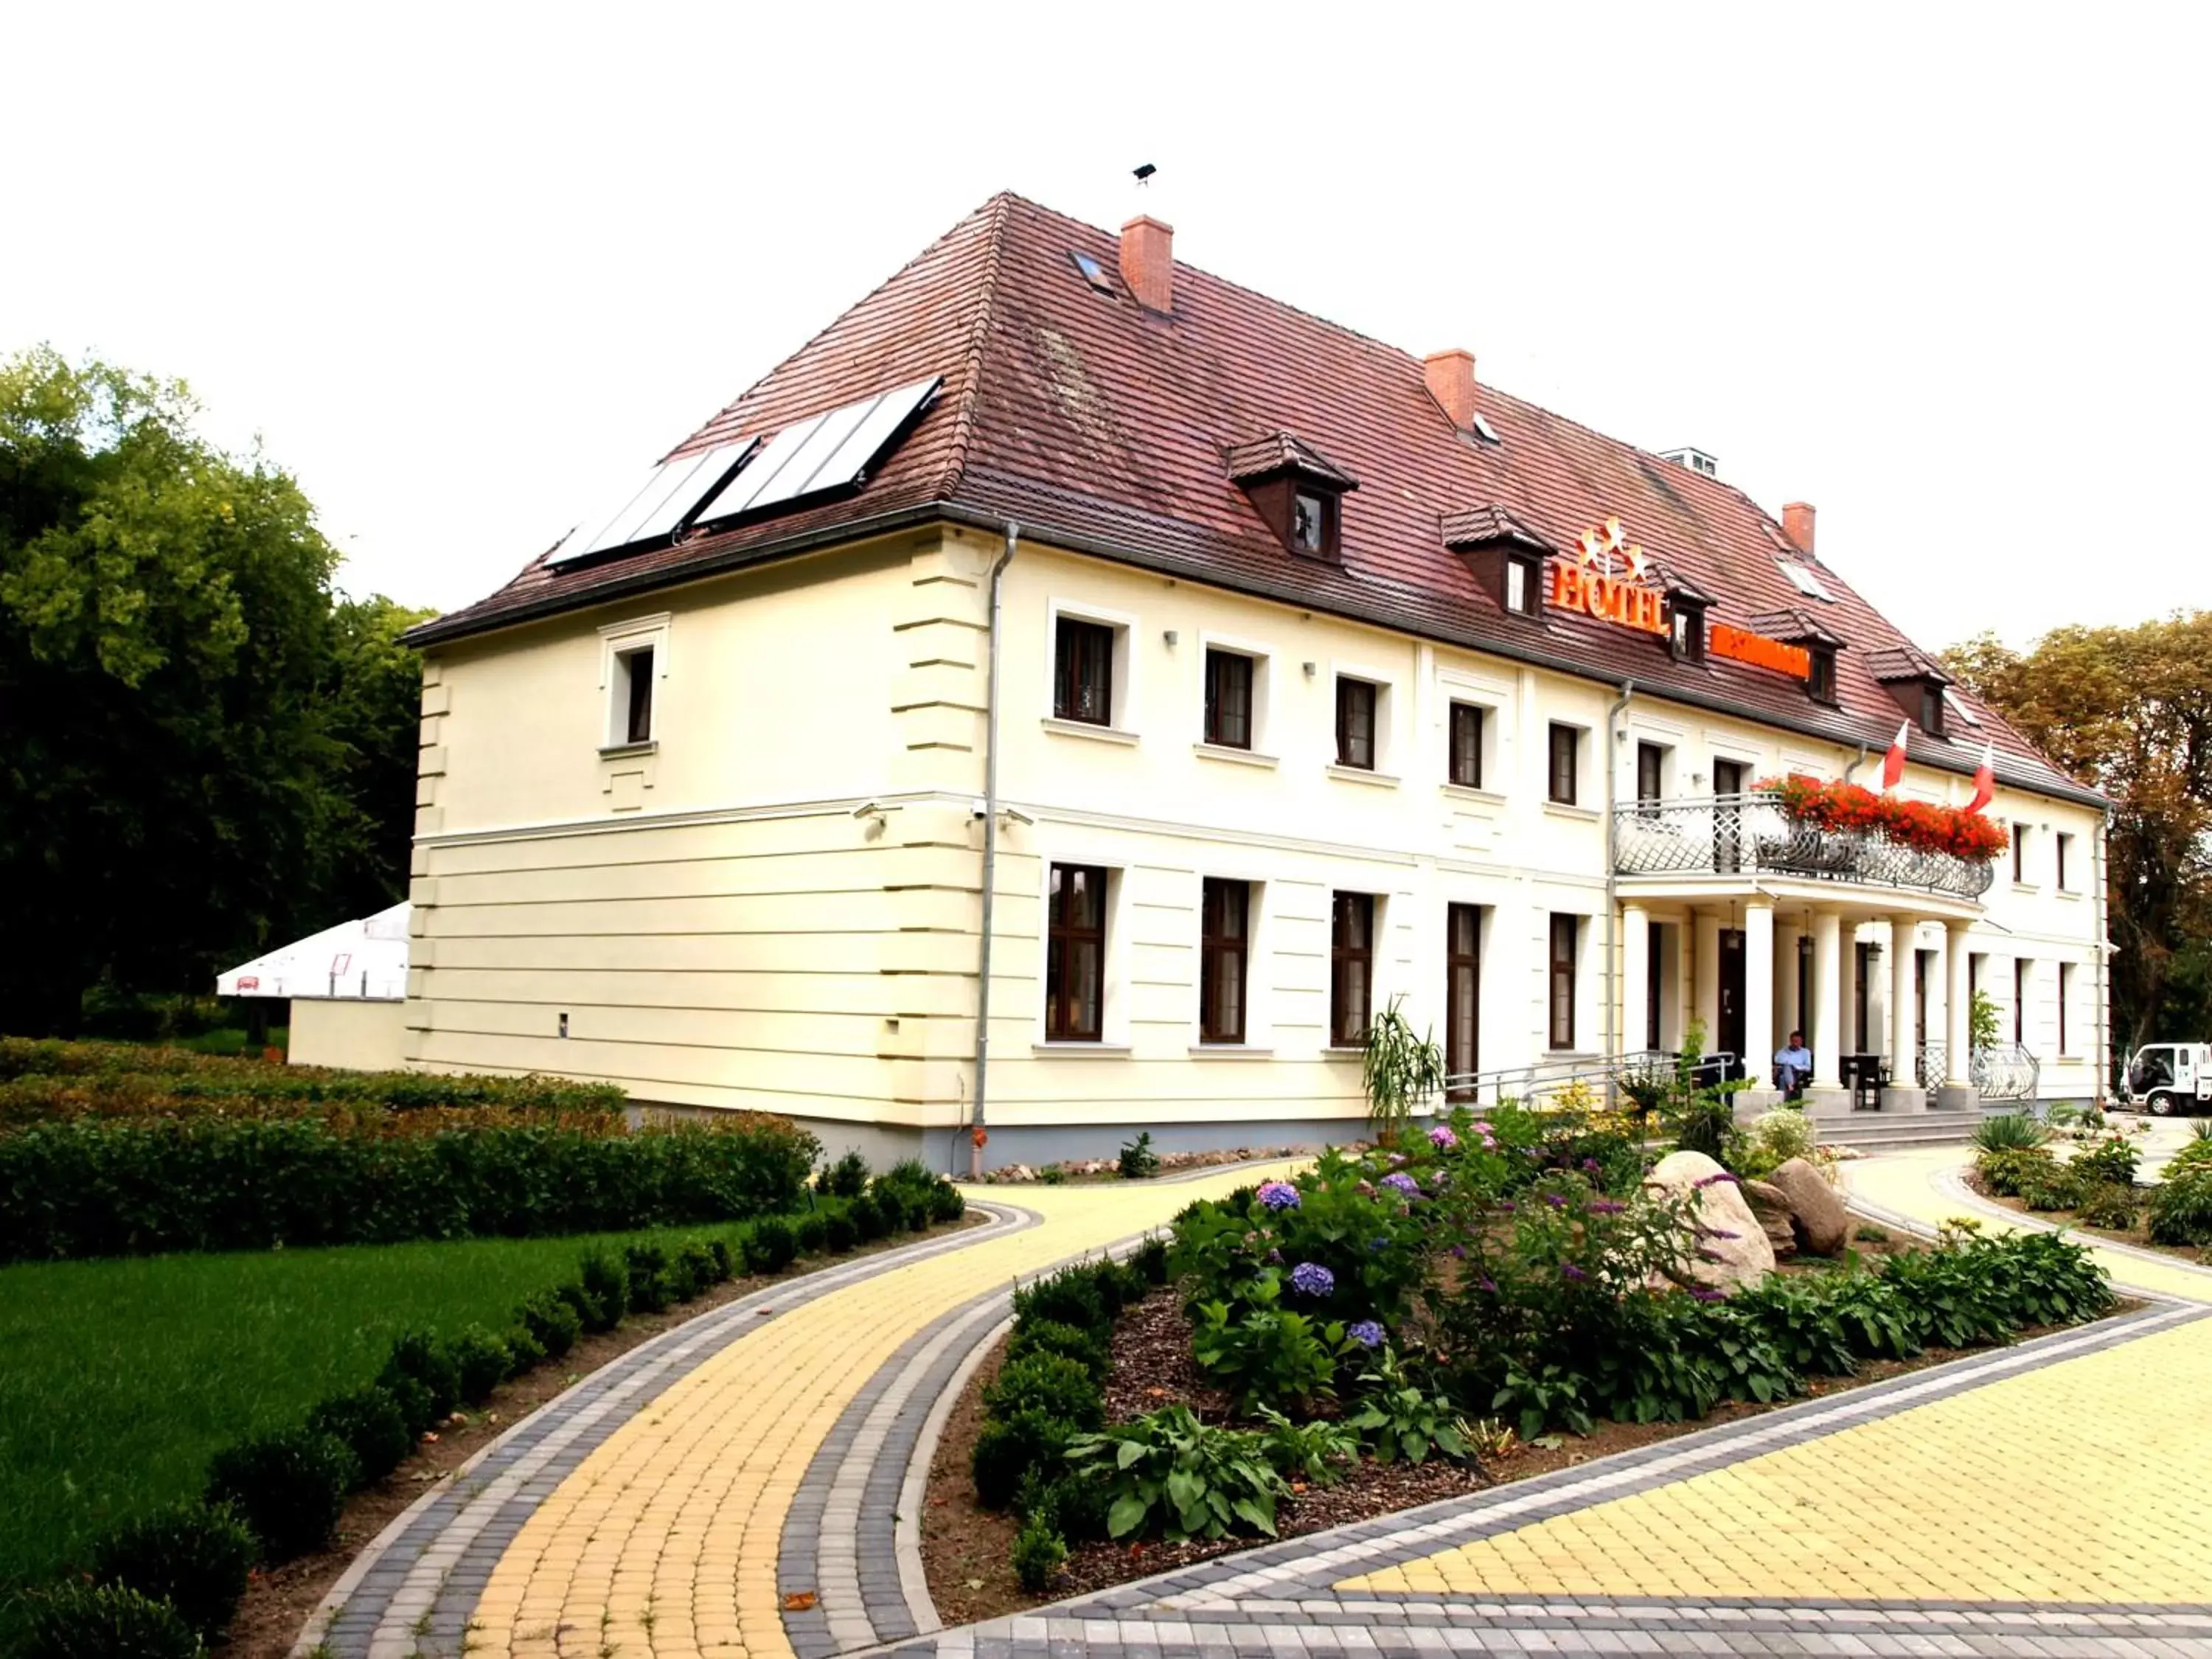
(2095, 1188)
(1843, 808)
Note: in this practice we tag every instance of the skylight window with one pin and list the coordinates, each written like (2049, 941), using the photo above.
(1093, 272)
(1804, 581)
(1958, 708)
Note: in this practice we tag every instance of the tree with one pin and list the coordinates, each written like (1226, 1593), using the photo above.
(2130, 710)
(198, 745)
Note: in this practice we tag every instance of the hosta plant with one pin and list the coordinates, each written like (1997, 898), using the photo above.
(1314, 1452)
(1398, 1418)
(1174, 1477)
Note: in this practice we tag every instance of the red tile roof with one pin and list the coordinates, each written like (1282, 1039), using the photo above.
(1111, 429)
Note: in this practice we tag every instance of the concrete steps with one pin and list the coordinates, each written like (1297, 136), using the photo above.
(1889, 1131)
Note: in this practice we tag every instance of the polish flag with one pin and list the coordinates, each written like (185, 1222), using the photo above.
(1985, 779)
(1892, 764)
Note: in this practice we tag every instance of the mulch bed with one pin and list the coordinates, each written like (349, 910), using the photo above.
(279, 1600)
(967, 1550)
(2138, 1235)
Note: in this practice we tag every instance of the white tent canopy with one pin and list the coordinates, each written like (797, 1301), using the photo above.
(364, 960)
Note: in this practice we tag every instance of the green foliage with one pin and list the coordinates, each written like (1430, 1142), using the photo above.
(1776, 1137)
(1173, 1476)
(1981, 1021)
(2004, 1170)
(1072, 1507)
(524, 1352)
(1008, 1448)
(2053, 1186)
(1318, 1451)
(847, 1178)
(708, 1267)
(2112, 1159)
(840, 1237)
(649, 1288)
(105, 1621)
(1398, 1418)
(102, 1186)
(604, 1277)
(193, 1556)
(771, 1246)
(1050, 1383)
(2181, 1207)
(811, 1233)
(2009, 1132)
(369, 1423)
(1138, 1162)
(1086, 1346)
(1540, 1395)
(2111, 1205)
(1038, 1554)
(482, 1360)
(865, 1213)
(424, 1376)
(1264, 1354)
(552, 1321)
(1149, 1259)
(1867, 1233)
(1070, 1297)
(288, 1487)
(1398, 1071)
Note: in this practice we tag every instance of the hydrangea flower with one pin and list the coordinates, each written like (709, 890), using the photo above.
(1311, 1279)
(1568, 1269)
(1442, 1138)
(1274, 1258)
(1278, 1195)
(1366, 1332)
(1397, 1159)
(1400, 1180)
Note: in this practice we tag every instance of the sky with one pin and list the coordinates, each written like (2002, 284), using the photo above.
(466, 270)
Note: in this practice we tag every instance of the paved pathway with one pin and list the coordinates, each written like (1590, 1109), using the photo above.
(744, 1485)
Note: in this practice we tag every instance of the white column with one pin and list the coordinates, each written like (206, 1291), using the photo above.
(1787, 1013)
(1958, 1059)
(1827, 1030)
(1904, 1074)
(1635, 970)
(1708, 1004)
(1758, 993)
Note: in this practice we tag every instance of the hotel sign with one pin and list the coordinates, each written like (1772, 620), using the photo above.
(1607, 581)
(1759, 651)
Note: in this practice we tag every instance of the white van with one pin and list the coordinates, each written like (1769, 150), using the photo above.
(2171, 1077)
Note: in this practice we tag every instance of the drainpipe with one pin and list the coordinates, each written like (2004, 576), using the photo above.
(1611, 883)
(2103, 967)
(990, 854)
(1855, 764)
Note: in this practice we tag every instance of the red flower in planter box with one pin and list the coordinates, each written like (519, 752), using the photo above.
(1840, 808)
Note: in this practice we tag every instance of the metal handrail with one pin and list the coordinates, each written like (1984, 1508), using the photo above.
(1532, 1083)
(1750, 835)
(2002, 1070)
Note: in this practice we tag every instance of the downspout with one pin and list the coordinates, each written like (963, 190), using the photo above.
(1612, 885)
(990, 854)
(1855, 764)
(2104, 969)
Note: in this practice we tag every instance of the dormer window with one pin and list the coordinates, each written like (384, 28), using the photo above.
(1931, 708)
(1504, 554)
(1685, 625)
(1297, 490)
(1917, 681)
(1820, 683)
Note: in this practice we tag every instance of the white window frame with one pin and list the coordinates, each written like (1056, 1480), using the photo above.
(1119, 726)
(618, 640)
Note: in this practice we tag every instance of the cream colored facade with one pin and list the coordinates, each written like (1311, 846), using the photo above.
(775, 903)
(350, 1032)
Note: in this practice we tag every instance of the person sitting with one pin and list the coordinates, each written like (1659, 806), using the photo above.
(1793, 1067)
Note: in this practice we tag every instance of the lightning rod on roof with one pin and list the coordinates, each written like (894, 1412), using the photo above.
(1145, 173)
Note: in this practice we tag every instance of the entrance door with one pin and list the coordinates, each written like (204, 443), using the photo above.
(1728, 816)
(1859, 965)
(1730, 1035)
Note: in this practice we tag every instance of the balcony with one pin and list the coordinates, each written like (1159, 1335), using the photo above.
(1748, 835)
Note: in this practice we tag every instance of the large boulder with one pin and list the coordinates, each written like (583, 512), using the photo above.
(1730, 1248)
(1823, 1225)
(1772, 1206)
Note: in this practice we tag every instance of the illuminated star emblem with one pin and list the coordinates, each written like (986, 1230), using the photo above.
(1608, 549)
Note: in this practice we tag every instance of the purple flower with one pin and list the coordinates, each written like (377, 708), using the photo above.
(1398, 1180)
(1591, 1164)
(1703, 1294)
(1367, 1333)
(1570, 1271)
(1713, 1179)
(1278, 1195)
(1274, 1258)
(1378, 1244)
(1311, 1279)
(1482, 1128)
(1442, 1138)
(1506, 1208)
(1716, 1232)
(1397, 1159)
(1460, 1250)
(1555, 1200)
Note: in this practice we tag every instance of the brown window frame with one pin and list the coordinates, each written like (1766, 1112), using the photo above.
(2019, 854)
(1349, 690)
(1223, 951)
(2060, 842)
(1463, 755)
(1561, 1007)
(1345, 954)
(1329, 526)
(1651, 790)
(1462, 972)
(1686, 631)
(1066, 937)
(1532, 595)
(1083, 650)
(1221, 672)
(1820, 675)
(637, 671)
(2065, 975)
(2022, 970)
(1931, 708)
(1571, 753)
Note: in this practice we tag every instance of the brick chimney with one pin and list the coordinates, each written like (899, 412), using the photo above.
(1797, 525)
(1148, 261)
(1450, 375)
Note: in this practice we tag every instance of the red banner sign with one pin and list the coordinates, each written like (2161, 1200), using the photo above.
(1759, 651)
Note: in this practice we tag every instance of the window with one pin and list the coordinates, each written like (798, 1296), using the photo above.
(1566, 747)
(2019, 854)
(1687, 636)
(1075, 954)
(1228, 699)
(635, 678)
(1310, 521)
(1804, 581)
(1953, 702)
(2065, 996)
(2020, 969)
(1082, 673)
(1355, 723)
(1650, 774)
(1931, 708)
(1463, 988)
(1654, 980)
(1466, 758)
(1351, 968)
(2065, 845)
(1821, 679)
(1093, 272)
(1225, 942)
(1521, 586)
(1563, 979)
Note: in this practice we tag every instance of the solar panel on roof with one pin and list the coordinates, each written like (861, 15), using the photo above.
(661, 506)
(834, 451)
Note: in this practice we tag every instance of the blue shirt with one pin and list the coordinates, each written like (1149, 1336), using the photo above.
(1799, 1059)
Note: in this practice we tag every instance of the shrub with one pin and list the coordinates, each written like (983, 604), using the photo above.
(2052, 1186)
(1867, 1233)
(193, 1556)
(1778, 1136)
(1172, 1474)
(371, 1424)
(1009, 1448)
(771, 1246)
(1072, 1507)
(839, 1235)
(524, 1352)
(2181, 1208)
(1138, 1162)
(606, 1278)
(420, 1358)
(648, 1286)
(2110, 1205)
(2197, 1154)
(2012, 1132)
(1265, 1354)
(680, 1278)
(1050, 1383)
(1087, 1348)
(288, 1487)
(945, 1203)
(866, 1215)
(484, 1362)
(552, 1320)
(105, 1621)
(1313, 1451)
(811, 1233)
(2112, 1159)
(695, 1260)
(1038, 1553)
(2005, 1169)
(1149, 1259)
(1398, 1418)
(847, 1178)
(1069, 1297)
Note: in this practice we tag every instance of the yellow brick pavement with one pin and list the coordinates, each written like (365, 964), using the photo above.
(2088, 1479)
(662, 1544)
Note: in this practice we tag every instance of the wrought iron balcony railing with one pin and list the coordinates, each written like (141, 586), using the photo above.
(1750, 835)
(2004, 1070)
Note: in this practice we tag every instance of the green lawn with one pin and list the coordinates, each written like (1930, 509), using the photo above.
(120, 1378)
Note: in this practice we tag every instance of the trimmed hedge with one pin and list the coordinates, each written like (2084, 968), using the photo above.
(105, 1621)
(291, 1488)
(194, 1556)
(95, 1187)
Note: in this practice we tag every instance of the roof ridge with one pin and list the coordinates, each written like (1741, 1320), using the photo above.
(1001, 208)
